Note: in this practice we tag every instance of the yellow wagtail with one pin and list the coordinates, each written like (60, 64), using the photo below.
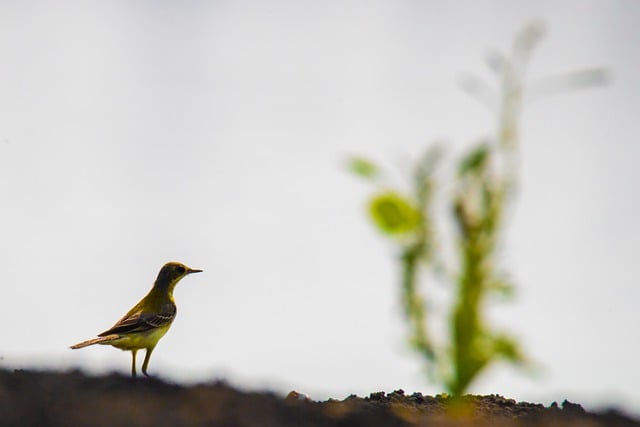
(148, 321)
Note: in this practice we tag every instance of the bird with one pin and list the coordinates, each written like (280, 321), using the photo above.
(148, 321)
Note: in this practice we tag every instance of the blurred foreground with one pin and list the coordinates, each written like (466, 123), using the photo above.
(29, 398)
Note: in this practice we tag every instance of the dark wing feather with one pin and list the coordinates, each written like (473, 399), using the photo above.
(141, 322)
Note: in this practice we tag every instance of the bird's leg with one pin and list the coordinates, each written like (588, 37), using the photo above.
(133, 362)
(145, 364)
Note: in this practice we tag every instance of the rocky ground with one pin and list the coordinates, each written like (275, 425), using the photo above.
(29, 398)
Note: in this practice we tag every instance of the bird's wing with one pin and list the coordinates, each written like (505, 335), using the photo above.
(140, 321)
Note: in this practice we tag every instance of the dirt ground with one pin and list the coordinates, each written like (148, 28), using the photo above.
(30, 398)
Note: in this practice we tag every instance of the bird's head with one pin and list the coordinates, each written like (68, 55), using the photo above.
(171, 273)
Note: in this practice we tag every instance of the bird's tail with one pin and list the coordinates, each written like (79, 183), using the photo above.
(99, 340)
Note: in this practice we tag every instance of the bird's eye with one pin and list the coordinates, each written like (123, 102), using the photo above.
(180, 269)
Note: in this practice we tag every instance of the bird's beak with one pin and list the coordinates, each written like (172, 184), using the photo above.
(193, 270)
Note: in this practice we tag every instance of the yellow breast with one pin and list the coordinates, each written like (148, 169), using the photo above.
(138, 340)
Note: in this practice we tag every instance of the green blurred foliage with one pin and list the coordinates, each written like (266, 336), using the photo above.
(363, 167)
(393, 213)
(475, 161)
(479, 194)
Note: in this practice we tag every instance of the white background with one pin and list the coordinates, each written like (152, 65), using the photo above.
(215, 133)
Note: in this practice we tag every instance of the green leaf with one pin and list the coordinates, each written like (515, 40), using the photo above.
(393, 214)
(363, 167)
(508, 348)
(475, 161)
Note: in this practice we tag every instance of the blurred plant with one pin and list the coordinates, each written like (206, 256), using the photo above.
(483, 188)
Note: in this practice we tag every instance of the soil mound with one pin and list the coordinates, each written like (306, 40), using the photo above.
(30, 398)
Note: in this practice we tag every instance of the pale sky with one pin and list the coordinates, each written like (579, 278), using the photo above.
(215, 134)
